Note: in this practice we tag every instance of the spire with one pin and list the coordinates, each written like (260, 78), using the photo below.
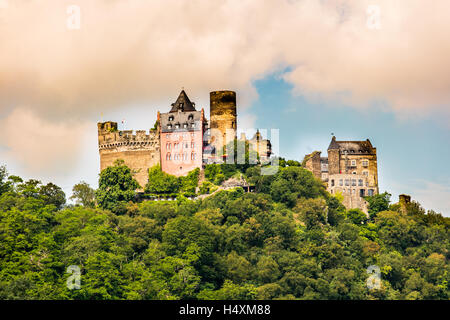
(183, 103)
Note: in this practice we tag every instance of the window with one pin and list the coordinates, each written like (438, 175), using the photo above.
(169, 126)
(365, 163)
(177, 126)
(353, 163)
(362, 193)
(167, 136)
(190, 117)
(193, 125)
(353, 182)
(185, 125)
(347, 182)
(171, 118)
(341, 182)
(366, 173)
(354, 172)
(360, 182)
(186, 145)
(192, 135)
(332, 182)
(168, 156)
(192, 145)
(370, 192)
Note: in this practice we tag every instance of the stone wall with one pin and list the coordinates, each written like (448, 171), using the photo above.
(223, 117)
(140, 151)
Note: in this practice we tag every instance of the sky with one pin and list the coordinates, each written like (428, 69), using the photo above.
(360, 69)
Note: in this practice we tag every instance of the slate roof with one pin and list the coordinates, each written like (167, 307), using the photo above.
(183, 103)
(352, 147)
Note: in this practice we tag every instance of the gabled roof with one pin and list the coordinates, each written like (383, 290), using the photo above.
(183, 103)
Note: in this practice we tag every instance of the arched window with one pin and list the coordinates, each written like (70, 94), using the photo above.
(191, 117)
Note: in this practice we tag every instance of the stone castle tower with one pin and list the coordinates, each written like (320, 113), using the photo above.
(350, 169)
(140, 151)
(223, 122)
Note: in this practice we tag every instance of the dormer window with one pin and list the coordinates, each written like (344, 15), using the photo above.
(169, 126)
(191, 117)
(185, 125)
(193, 125)
(171, 118)
(177, 126)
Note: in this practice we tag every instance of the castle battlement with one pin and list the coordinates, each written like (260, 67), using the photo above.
(110, 138)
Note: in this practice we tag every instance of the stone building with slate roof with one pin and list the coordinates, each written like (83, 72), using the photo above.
(350, 169)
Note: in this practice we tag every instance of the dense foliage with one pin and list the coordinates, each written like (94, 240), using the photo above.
(288, 240)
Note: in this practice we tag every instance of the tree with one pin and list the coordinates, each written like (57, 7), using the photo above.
(116, 184)
(356, 216)
(83, 194)
(53, 195)
(5, 185)
(377, 203)
(160, 182)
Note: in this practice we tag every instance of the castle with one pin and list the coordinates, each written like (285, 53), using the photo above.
(350, 169)
(181, 140)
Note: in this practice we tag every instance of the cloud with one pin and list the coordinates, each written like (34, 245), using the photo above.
(434, 196)
(133, 51)
(41, 147)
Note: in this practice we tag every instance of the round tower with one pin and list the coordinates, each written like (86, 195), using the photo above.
(223, 117)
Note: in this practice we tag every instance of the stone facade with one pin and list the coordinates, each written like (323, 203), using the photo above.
(350, 168)
(140, 151)
(223, 122)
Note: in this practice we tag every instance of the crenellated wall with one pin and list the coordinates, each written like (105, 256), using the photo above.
(140, 151)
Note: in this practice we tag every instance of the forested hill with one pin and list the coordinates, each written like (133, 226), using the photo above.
(288, 240)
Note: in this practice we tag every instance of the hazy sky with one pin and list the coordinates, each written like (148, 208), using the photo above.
(360, 69)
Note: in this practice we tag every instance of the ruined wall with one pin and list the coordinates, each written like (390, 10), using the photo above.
(312, 163)
(140, 151)
(223, 117)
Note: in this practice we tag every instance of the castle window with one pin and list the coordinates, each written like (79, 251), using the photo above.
(365, 163)
(191, 117)
(177, 126)
(370, 192)
(332, 182)
(185, 125)
(360, 182)
(171, 118)
(341, 182)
